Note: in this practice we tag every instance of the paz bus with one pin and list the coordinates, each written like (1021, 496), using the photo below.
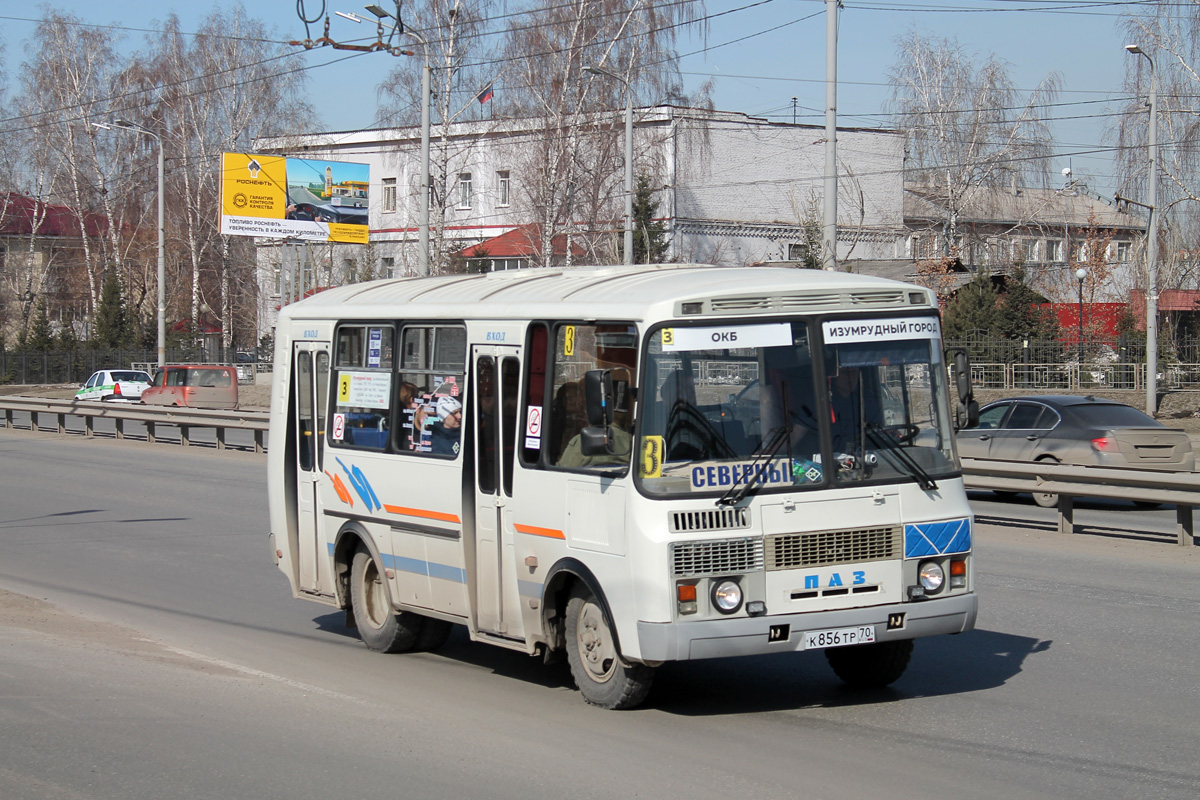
(626, 465)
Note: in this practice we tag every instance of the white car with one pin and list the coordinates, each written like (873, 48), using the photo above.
(115, 384)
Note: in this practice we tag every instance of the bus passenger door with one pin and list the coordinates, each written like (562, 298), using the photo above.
(495, 380)
(310, 362)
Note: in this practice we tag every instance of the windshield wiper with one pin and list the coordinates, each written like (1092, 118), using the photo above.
(881, 439)
(769, 449)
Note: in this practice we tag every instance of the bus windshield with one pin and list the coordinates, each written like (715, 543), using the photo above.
(748, 403)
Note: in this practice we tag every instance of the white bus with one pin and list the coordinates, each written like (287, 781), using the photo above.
(633, 466)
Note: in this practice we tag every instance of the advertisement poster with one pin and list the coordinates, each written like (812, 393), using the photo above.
(294, 198)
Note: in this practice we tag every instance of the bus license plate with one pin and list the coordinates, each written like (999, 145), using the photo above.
(838, 637)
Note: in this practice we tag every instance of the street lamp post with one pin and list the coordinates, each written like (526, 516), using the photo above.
(162, 263)
(423, 221)
(628, 158)
(1081, 273)
(1151, 244)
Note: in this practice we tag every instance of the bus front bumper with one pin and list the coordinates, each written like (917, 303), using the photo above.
(747, 636)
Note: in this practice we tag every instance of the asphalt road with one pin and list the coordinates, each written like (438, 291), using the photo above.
(149, 649)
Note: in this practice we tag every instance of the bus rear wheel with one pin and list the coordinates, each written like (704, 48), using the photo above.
(378, 625)
(870, 666)
(603, 677)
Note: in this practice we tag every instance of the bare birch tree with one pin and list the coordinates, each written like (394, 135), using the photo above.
(968, 126)
(456, 38)
(1169, 34)
(212, 93)
(568, 176)
(67, 82)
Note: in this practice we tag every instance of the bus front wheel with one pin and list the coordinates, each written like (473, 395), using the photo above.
(603, 677)
(870, 666)
(378, 625)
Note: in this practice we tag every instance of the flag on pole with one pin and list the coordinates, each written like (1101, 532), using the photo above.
(485, 95)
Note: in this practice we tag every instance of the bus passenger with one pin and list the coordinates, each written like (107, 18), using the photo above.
(445, 432)
(568, 416)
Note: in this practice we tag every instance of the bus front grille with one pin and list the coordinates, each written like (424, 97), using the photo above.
(825, 548)
(716, 557)
(715, 519)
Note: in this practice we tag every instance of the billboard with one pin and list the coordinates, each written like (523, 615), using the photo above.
(294, 198)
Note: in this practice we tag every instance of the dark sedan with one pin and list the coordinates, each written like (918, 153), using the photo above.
(1074, 430)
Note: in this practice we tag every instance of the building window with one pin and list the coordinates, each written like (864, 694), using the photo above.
(388, 266)
(1028, 250)
(389, 194)
(464, 190)
(1054, 250)
(1121, 251)
(502, 187)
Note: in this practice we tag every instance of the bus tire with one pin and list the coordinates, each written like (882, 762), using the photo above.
(434, 633)
(603, 677)
(380, 628)
(870, 666)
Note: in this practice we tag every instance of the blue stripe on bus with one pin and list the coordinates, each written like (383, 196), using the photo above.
(530, 589)
(444, 572)
(431, 569)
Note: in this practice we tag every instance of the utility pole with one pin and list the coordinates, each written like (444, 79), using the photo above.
(1151, 244)
(829, 228)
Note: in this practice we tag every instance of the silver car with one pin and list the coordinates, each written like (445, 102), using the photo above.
(1075, 430)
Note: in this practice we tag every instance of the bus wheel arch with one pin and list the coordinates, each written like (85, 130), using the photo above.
(583, 627)
(556, 592)
(349, 539)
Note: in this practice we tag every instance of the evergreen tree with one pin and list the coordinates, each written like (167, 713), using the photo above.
(649, 235)
(973, 309)
(114, 328)
(40, 338)
(67, 341)
(1021, 313)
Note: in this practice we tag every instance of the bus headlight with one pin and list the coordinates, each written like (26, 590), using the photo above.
(727, 596)
(931, 576)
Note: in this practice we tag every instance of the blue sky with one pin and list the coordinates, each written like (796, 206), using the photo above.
(777, 52)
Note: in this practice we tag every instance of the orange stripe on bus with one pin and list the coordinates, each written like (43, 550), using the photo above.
(420, 512)
(533, 530)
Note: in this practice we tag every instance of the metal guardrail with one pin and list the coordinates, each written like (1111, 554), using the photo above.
(1069, 481)
(151, 416)
(1066, 480)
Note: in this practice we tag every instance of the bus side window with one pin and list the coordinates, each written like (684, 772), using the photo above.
(579, 348)
(433, 364)
(362, 387)
(535, 394)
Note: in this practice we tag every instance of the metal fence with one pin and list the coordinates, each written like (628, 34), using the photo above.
(992, 349)
(54, 367)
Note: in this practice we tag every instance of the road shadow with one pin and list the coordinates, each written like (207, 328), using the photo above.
(941, 665)
(459, 647)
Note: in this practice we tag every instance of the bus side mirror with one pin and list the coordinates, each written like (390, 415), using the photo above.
(966, 414)
(598, 397)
